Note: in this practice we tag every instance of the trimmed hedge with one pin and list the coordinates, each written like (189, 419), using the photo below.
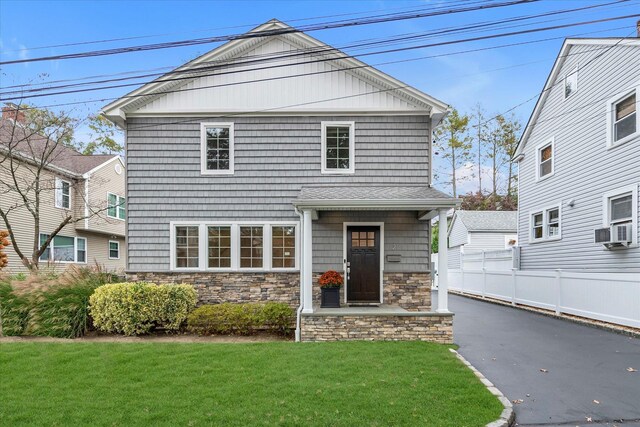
(137, 308)
(241, 319)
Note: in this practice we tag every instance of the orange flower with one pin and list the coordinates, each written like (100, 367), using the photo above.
(331, 279)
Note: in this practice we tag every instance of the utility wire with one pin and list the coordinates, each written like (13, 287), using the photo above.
(308, 28)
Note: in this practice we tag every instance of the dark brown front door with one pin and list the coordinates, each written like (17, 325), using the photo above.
(363, 264)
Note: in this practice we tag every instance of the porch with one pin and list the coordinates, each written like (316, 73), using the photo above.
(378, 238)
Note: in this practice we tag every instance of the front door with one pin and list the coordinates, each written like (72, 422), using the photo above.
(363, 264)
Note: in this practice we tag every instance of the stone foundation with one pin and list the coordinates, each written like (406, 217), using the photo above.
(218, 287)
(415, 326)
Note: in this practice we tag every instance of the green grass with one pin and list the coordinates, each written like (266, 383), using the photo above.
(280, 383)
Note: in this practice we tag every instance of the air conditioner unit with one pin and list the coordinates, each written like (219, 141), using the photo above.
(621, 233)
(603, 235)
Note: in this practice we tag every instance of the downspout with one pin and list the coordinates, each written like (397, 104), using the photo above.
(301, 306)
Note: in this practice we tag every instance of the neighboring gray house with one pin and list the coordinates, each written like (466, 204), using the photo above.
(274, 158)
(480, 231)
(579, 161)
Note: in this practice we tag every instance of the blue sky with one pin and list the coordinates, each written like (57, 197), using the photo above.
(498, 79)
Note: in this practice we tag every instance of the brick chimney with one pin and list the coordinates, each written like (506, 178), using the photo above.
(13, 112)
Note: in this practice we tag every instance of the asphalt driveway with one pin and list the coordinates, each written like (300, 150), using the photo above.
(564, 373)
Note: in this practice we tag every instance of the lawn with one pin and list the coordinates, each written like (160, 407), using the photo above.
(279, 383)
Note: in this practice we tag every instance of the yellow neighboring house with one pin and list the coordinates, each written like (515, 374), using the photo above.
(88, 188)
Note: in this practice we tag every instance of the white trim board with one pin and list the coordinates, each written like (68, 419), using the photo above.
(345, 225)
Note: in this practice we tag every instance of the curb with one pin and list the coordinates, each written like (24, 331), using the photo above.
(508, 416)
(593, 323)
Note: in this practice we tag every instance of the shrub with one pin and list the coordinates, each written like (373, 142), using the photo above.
(136, 308)
(14, 311)
(60, 311)
(240, 319)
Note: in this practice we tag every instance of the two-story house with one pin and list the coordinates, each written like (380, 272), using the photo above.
(88, 188)
(274, 158)
(579, 172)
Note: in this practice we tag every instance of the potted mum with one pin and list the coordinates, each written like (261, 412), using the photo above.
(330, 284)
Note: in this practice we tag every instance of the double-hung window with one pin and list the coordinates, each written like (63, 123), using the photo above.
(64, 249)
(545, 224)
(63, 194)
(545, 159)
(623, 118)
(338, 147)
(234, 246)
(116, 206)
(216, 143)
(114, 249)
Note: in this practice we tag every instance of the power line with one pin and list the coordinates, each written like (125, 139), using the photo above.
(273, 57)
(309, 28)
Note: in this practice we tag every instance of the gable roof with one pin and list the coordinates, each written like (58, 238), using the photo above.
(553, 75)
(487, 221)
(118, 110)
(62, 158)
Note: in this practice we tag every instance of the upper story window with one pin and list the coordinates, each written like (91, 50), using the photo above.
(63, 194)
(571, 82)
(64, 249)
(338, 149)
(622, 118)
(116, 206)
(545, 224)
(545, 159)
(216, 142)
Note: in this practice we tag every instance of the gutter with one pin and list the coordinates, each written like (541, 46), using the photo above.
(298, 332)
(380, 203)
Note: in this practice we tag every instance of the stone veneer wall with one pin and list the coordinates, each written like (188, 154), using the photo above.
(411, 327)
(411, 291)
(218, 287)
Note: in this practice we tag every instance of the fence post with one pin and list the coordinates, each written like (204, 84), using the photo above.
(558, 290)
(513, 290)
(484, 279)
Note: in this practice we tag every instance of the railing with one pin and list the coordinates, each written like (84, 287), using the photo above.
(608, 296)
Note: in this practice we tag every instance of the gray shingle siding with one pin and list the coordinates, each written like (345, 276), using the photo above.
(584, 168)
(274, 158)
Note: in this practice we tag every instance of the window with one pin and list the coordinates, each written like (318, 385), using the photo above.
(338, 150)
(283, 247)
(63, 194)
(187, 247)
(219, 241)
(621, 207)
(216, 141)
(64, 249)
(622, 118)
(251, 245)
(545, 224)
(234, 246)
(114, 249)
(116, 206)
(571, 83)
(545, 159)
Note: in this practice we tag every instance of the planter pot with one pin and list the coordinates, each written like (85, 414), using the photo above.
(330, 297)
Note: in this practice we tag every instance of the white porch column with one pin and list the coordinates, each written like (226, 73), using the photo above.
(307, 255)
(443, 270)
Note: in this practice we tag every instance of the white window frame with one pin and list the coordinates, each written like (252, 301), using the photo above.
(109, 248)
(549, 142)
(611, 112)
(58, 195)
(203, 245)
(297, 248)
(352, 148)
(606, 211)
(545, 223)
(203, 148)
(75, 250)
(118, 206)
(573, 74)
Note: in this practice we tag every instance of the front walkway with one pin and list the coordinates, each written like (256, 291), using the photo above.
(563, 372)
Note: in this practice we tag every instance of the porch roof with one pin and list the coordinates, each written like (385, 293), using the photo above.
(338, 197)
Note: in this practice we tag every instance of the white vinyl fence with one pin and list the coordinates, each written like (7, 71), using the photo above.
(608, 296)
